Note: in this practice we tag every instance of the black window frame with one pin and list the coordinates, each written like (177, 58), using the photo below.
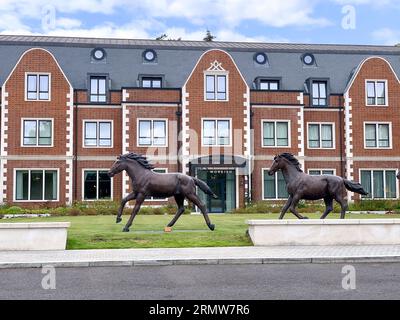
(151, 79)
(216, 90)
(375, 98)
(37, 133)
(97, 187)
(98, 77)
(38, 90)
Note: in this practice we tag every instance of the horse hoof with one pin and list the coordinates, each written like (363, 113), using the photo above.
(305, 218)
(118, 220)
(125, 230)
(211, 226)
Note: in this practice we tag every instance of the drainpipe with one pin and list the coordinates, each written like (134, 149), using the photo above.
(75, 149)
(341, 115)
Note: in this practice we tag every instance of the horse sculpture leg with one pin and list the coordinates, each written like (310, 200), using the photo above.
(343, 205)
(139, 200)
(293, 206)
(193, 198)
(181, 209)
(129, 197)
(286, 207)
(329, 207)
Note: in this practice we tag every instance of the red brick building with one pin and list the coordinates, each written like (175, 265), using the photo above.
(220, 111)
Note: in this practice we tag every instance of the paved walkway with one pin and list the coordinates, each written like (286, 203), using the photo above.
(193, 256)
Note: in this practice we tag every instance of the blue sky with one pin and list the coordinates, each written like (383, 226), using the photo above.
(305, 21)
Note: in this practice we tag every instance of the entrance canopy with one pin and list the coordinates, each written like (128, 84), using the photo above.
(220, 161)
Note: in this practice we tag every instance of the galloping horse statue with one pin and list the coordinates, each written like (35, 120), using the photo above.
(303, 186)
(146, 183)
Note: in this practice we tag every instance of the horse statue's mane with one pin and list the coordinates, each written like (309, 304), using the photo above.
(142, 160)
(289, 157)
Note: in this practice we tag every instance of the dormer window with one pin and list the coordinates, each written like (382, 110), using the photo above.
(268, 85)
(151, 82)
(319, 93)
(98, 89)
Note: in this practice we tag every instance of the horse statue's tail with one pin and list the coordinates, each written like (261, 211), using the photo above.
(355, 187)
(204, 187)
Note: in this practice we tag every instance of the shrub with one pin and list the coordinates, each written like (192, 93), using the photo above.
(14, 210)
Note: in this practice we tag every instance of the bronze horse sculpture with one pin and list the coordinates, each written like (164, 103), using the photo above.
(303, 186)
(146, 183)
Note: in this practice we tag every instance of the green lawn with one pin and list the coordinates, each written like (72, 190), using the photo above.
(101, 232)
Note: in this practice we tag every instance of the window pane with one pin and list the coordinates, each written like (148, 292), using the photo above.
(328, 172)
(36, 185)
(105, 134)
(326, 136)
(104, 185)
(102, 86)
(157, 83)
(209, 132)
(371, 89)
(45, 132)
(93, 86)
(313, 135)
(90, 185)
(159, 133)
(264, 85)
(282, 190)
(273, 85)
(315, 90)
(90, 133)
(322, 90)
(383, 135)
(210, 87)
(390, 187)
(146, 83)
(30, 132)
(314, 172)
(269, 186)
(221, 87)
(366, 183)
(43, 87)
(282, 134)
(269, 133)
(22, 181)
(50, 186)
(223, 132)
(32, 83)
(380, 89)
(370, 135)
(378, 184)
(144, 132)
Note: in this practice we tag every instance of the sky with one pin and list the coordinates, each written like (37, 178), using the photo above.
(296, 21)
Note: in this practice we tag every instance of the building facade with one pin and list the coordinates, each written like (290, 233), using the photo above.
(219, 111)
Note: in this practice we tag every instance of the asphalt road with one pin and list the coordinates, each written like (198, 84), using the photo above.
(289, 281)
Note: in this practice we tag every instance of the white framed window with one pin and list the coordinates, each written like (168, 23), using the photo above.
(321, 135)
(216, 132)
(268, 85)
(376, 93)
(37, 86)
(97, 185)
(216, 87)
(319, 172)
(152, 132)
(377, 135)
(97, 133)
(158, 170)
(275, 133)
(379, 183)
(273, 187)
(36, 185)
(151, 82)
(37, 132)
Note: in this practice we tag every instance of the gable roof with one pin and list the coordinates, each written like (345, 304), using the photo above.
(176, 59)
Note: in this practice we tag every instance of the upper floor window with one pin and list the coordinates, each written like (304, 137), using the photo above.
(97, 133)
(376, 93)
(275, 133)
(152, 132)
(377, 135)
(270, 85)
(98, 89)
(37, 132)
(216, 132)
(151, 82)
(320, 136)
(319, 93)
(37, 86)
(216, 87)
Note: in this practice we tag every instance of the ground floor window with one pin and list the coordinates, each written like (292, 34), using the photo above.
(319, 172)
(274, 186)
(379, 183)
(97, 185)
(36, 185)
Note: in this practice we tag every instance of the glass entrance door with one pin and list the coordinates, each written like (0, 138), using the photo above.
(222, 183)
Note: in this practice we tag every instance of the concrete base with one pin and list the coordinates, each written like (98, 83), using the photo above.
(33, 236)
(324, 232)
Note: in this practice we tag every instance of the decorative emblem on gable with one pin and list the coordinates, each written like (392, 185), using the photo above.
(216, 66)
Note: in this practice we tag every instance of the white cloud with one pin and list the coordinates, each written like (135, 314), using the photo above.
(387, 36)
